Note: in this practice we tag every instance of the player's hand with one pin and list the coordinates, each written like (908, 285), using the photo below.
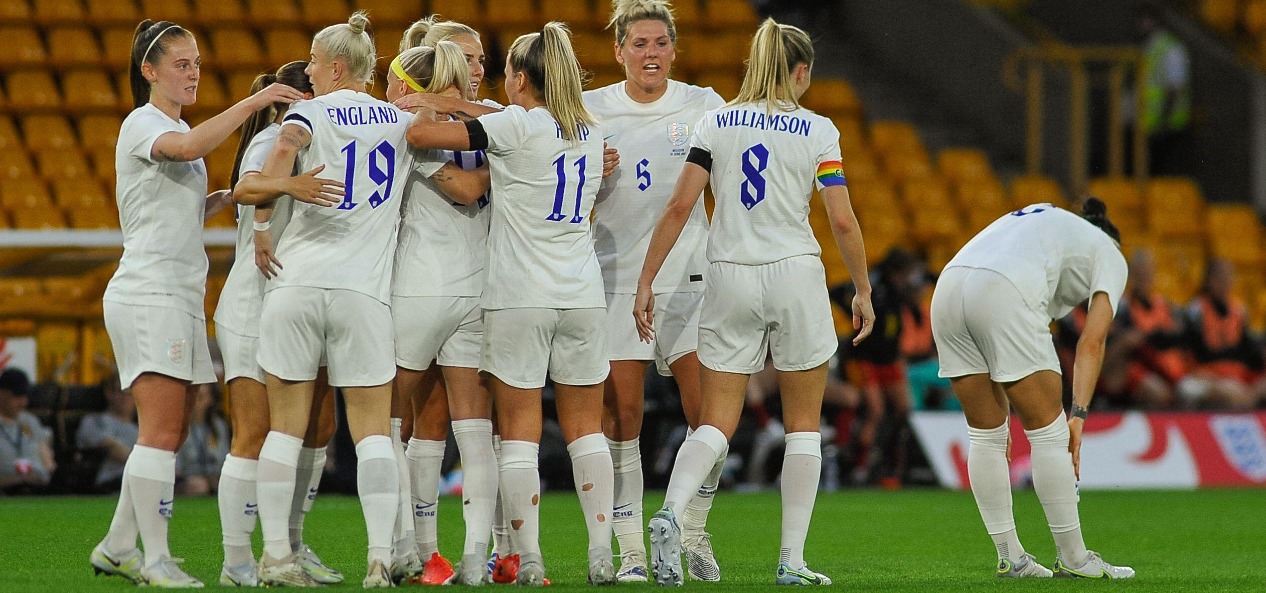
(275, 93)
(610, 160)
(1075, 425)
(316, 190)
(863, 318)
(265, 259)
(644, 314)
(429, 101)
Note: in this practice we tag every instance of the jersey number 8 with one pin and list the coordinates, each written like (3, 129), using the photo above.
(753, 189)
(380, 177)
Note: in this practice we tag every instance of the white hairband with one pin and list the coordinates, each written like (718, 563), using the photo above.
(156, 38)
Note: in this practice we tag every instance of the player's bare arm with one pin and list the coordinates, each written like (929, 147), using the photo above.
(464, 187)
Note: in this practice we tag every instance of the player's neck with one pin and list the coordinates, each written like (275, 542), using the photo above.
(168, 107)
(642, 94)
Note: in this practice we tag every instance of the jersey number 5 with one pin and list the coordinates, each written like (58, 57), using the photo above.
(560, 190)
(755, 160)
(382, 178)
(643, 175)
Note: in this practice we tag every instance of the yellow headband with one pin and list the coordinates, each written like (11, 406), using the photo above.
(398, 68)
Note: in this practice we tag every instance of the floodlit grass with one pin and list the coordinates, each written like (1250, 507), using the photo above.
(865, 540)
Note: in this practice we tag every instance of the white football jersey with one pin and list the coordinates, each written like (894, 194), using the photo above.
(242, 297)
(765, 162)
(540, 244)
(1054, 258)
(352, 246)
(161, 207)
(652, 139)
(443, 244)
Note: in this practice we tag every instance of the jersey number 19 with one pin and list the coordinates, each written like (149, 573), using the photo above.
(381, 178)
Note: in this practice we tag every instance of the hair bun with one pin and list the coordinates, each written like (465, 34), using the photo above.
(358, 22)
(1093, 207)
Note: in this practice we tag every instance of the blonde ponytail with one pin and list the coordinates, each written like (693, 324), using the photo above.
(431, 30)
(626, 12)
(550, 65)
(350, 43)
(776, 50)
(435, 69)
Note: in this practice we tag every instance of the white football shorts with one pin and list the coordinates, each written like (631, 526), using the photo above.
(162, 340)
(522, 345)
(353, 330)
(448, 330)
(676, 328)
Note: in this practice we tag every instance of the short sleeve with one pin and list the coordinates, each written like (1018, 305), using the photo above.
(505, 129)
(301, 114)
(142, 129)
(713, 100)
(427, 162)
(491, 103)
(1110, 275)
(830, 166)
(702, 134)
(257, 153)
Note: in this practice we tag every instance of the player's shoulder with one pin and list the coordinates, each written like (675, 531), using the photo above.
(602, 94)
(698, 95)
(148, 116)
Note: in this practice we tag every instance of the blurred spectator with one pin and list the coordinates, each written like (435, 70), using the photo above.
(26, 453)
(199, 460)
(1147, 350)
(113, 432)
(876, 368)
(1229, 360)
(1166, 103)
(928, 391)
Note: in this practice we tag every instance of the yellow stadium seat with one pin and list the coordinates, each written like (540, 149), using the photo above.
(1174, 207)
(984, 195)
(239, 84)
(103, 164)
(1123, 198)
(213, 13)
(888, 135)
(502, 15)
(686, 14)
(4, 101)
(463, 11)
(316, 14)
(73, 46)
(870, 195)
(224, 219)
(577, 14)
(237, 49)
(852, 138)
(89, 91)
(389, 12)
(725, 85)
(264, 14)
(62, 164)
(15, 12)
(1255, 17)
(1234, 233)
(9, 137)
(57, 343)
(58, 12)
(176, 11)
(388, 38)
(14, 164)
(731, 15)
(99, 131)
(36, 219)
(720, 52)
(902, 165)
(80, 192)
(116, 44)
(36, 92)
(112, 12)
(881, 231)
(1185, 258)
(22, 194)
(93, 218)
(926, 193)
(48, 132)
(959, 165)
(17, 288)
(977, 220)
(20, 47)
(861, 167)
(1220, 15)
(288, 45)
(932, 225)
(1035, 189)
(832, 97)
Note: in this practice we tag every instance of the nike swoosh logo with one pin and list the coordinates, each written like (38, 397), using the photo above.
(312, 490)
(251, 506)
(419, 507)
(112, 561)
(623, 506)
(163, 503)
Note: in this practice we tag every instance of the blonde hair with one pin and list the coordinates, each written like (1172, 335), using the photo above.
(776, 50)
(350, 43)
(550, 65)
(626, 12)
(431, 30)
(436, 68)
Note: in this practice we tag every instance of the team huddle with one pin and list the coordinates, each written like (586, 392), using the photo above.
(439, 257)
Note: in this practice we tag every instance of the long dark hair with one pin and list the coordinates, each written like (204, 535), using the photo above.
(291, 75)
(149, 43)
(1096, 212)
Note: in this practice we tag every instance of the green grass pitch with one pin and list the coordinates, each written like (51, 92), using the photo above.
(910, 540)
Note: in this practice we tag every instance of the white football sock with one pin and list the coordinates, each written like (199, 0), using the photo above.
(278, 460)
(121, 538)
(695, 520)
(308, 473)
(521, 494)
(595, 485)
(479, 482)
(1056, 487)
(801, 468)
(991, 484)
(695, 460)
(425, 459)
(626, 459)
(377, 484)
(500, 527)
(238, 508)
(403, 539)
(152, 473)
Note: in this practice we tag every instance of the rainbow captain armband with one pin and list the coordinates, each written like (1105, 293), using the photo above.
(831, 173)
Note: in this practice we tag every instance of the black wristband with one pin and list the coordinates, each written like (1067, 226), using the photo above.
(1078, 412)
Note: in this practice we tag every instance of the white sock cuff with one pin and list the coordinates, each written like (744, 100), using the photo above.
(590, 444)
(240, 468)
(519, 454)
(318, 455)
(712, 437)
(282, 448)
(420, 449)
(803, 443)
(151, 464)
(1055, 433)
(395, 429)
(990, 438)
(632, 445)
(376, 446)
(478, 425)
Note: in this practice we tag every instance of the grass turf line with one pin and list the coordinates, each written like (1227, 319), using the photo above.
(912, 540)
